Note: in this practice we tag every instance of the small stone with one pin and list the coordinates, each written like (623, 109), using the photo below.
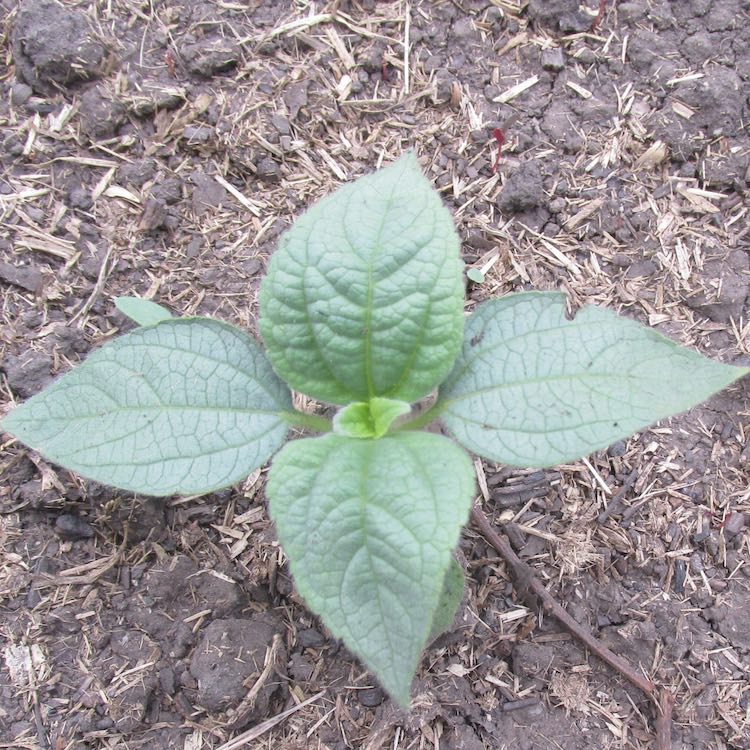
(25, 277)
(169, 191)
(553, 59)
(617, 449)
(54, 44)
(696, 563)
(207, 193)
(20, 93)
(221, 675)
(208, 58)
(734, 523)
(641, 269)
(463, 28)
(300, 668)
(100, 114)
(268, 169)
(576, 22)
(549, 12)
(80, 198)
(281, 124)
(154, 215)
(433, 62)
(523, 190)
(371, 697)
(730, 288)
(28, 372)
(167, 680)
(72, 527)
(310, 638)
(295, 97)
(198, 133)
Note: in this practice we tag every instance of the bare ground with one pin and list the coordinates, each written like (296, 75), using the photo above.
(160, 149)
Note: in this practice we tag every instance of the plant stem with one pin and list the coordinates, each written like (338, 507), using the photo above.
(425, 418)
(307, 421)
(533, 591)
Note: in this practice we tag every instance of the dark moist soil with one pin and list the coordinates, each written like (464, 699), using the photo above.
(160, 149)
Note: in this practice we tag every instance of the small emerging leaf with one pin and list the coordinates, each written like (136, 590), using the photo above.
(532, 388)
(450, 598)
(369, 420)
(186, 406)
(369, 526)
(364, 296)
(475, 275)
(144, 312)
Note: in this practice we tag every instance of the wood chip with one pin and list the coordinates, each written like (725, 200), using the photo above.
(232, 190)
(582, 92)
(115, 191)
(682, 110)
(698, 201)
(516, 90)
(683, 79)
(589, 209)
(654, 155)
(514, 42)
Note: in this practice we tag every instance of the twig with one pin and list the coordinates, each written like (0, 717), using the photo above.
(241, 740)
(599, 15)
(616, 502)
(407, 22)
(240, 715)
(533, 591)
(101, 279)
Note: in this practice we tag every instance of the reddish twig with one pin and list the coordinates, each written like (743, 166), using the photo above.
(170, 63)
(532, 590)
(599, 15)
(384, 72)
(499, 136)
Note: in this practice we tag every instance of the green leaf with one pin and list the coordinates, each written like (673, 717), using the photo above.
(368, 526)
(450, 598)
(364, 296)
(532, 388)
(369, 420)
(475, 275)
(187, 406)
(144, 312)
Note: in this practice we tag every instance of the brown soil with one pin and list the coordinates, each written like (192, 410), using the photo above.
(160, 149)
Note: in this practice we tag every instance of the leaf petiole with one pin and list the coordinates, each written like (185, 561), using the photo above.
(307, 421)
(425, 418)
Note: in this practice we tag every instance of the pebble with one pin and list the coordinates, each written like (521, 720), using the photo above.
(80, 198)
(20, 93)
(198, 133)
(167, 680)
(371, 697)
(735, 522)
(281, 124)
(310, 638)
(72, 527)
(553, 59)
(617, 449)
(268, 169)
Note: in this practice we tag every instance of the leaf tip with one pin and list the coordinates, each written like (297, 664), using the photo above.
(141, 311)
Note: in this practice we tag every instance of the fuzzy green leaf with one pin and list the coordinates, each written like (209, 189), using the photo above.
(144, 312)
(368, 526)
(532, 388)
(186, 406)
(364, 296)
(369, 420)
(450, 598)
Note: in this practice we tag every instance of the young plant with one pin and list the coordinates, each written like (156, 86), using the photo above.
(363, 308)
